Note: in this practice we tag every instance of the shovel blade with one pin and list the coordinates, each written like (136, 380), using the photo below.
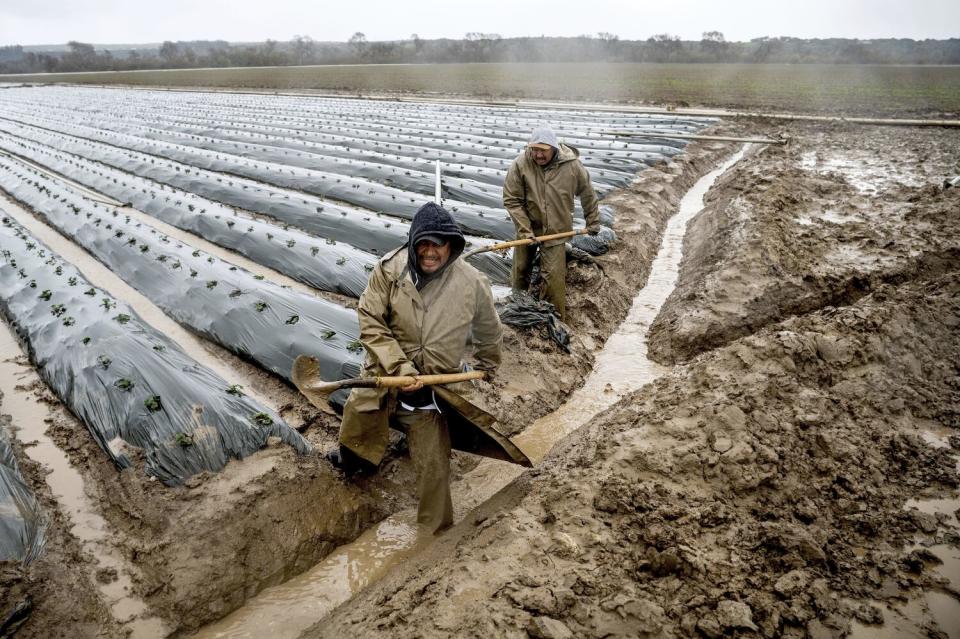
(306, 377)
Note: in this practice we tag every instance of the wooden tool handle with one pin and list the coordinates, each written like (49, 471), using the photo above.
(428, 380)
(502, 246)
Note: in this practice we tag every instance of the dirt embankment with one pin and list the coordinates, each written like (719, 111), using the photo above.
(759, 489)
(536, 376)
(821, 221)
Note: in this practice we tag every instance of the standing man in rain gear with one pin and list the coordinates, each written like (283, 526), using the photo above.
(538, 194)
(421, 306)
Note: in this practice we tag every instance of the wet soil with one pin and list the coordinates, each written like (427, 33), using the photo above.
(765, 486)
(196, 552)
(536, 376)
(758, 489)
(822, 221)
(56, 592)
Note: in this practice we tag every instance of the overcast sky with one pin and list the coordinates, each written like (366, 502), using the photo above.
(132, 21)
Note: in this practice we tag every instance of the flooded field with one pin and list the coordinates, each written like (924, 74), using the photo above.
(754, 432)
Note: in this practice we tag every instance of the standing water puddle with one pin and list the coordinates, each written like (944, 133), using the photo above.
(942, 607)
(66, 484)
(286, 610)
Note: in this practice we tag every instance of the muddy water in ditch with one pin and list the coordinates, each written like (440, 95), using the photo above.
(27, 419)
(288, 609)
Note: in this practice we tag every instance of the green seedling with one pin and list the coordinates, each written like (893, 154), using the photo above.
(236, 292)
(72, 281)
(260, 306)
(123, 384)
(196, 253)
(331, 241)
(104, 361)
(176, 264)
(108, 303)
(262, 419)
(161, 258)
(152, 404)
(46, 295)
(33, 284)
(354, 346)
(314, 250)
(58, 270)
(293, 319)
(210, 260)
(123, 318)
(234, 389)
(327, 334)
(193, 273)
(90, 291)
(341, 261)
(69, 321)
(144, 248)
(85, 341)
(258, 277)
(291, 243)
(368, 267)
(212, 284)
(183, 439)
(57, 309)
(159, 348)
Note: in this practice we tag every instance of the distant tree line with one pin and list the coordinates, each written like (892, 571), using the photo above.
(480, 47)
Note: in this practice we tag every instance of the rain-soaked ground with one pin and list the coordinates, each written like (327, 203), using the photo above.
(622, 366)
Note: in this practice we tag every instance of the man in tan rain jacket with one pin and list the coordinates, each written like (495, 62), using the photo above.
(538, 194)
(421, 306)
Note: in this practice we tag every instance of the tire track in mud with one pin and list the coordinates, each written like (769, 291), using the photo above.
(286, 610)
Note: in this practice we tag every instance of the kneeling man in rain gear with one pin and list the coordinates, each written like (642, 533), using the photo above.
(421, 307)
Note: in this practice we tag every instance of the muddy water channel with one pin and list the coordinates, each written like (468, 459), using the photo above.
(286, 610)
(28, 416)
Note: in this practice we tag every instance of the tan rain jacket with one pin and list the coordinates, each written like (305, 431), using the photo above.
(409, 332)
(540, 200)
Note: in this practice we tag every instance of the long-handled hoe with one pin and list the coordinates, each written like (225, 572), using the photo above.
(503, 246)
(306, 377)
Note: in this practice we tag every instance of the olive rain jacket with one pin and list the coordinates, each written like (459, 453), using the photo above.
(540, 199)
(410, 332)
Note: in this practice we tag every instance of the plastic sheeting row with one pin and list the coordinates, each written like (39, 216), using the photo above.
(363, 230)
(129, 384)
(243, 312)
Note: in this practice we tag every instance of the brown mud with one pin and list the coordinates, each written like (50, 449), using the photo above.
(196, 552)
(821, 221)
(797, 479)
(58, 588)
(536, 376)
